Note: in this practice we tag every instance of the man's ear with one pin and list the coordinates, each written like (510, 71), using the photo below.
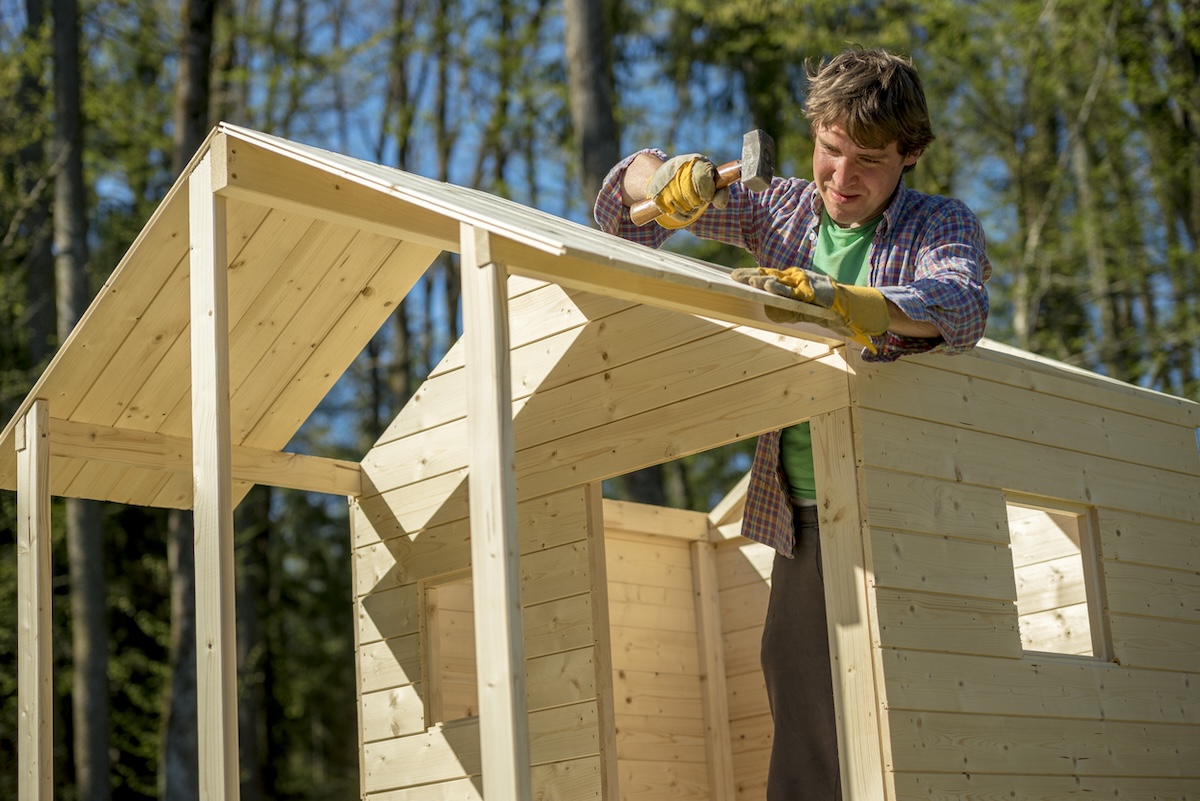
(911, 159)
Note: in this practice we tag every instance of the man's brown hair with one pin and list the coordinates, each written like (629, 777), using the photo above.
(874, 95)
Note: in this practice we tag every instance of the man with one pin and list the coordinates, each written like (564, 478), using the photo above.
(903, 271)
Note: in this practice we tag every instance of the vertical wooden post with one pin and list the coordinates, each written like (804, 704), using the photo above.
(35, 740)
(606, 705)
(714, 699)
(212, 490)
(499, 645)
(862, 742)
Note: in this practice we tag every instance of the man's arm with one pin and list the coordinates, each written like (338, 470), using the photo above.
(637, 175)
(901, 324)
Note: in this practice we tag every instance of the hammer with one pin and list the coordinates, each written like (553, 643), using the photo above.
(755, 170)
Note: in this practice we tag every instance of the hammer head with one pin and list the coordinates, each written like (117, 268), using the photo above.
(758, 160)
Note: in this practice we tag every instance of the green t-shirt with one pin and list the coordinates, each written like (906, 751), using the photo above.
(842, 255)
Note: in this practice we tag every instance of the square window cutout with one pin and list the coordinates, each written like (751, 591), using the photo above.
(1059, 578)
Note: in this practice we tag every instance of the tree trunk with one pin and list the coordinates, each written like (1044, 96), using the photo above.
(589, 75)
(39, 260)
(193, 86)
(598, 146)
(85, 554)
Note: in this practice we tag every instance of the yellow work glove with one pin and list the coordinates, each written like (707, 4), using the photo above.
(862, 309)
(683, 187)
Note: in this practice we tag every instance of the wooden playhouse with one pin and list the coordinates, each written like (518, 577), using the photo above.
(1011, 546)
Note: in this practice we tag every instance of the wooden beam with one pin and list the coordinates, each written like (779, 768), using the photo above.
(715, 296)
(258, 175)
(714, 699)
(35, 741)
(212, 500)
(151, 450)
(499, 644)
(662, 521)
(864, 745)
(601, 635)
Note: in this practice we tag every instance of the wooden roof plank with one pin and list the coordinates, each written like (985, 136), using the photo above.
(264, 259)
(147, 450)
(167, 387)
(260, 175)
(152, 337)
(334, 342)
(334, 291)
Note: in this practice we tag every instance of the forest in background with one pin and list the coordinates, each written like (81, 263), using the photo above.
(1070, 126)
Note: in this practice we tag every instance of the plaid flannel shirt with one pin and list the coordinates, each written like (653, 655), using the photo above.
(928, 257)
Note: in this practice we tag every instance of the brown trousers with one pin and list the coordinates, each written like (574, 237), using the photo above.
(795, 663)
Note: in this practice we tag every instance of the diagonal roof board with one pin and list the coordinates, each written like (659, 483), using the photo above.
(322, 247)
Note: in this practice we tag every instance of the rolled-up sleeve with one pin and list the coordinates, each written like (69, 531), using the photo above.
(613, 216)
(946, 287)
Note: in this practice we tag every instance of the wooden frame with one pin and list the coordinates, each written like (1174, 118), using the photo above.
(500, 653)
(212, 469)
(35, 666)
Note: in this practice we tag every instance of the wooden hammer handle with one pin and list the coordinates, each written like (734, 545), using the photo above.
(644, 211)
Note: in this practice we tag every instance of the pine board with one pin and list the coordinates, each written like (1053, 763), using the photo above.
(162, 389)
(650, 694)
(986, 460)
(1153, 643)
(543, 361)
(1039, 687)
(654, 781)
(657, 738)
(648, 607)
(655, 651)
(1007, 786)
(1073, 423)
(641, 519)
(1134, 538)
(350, 326)
(1154, 592)
(576, 779)
(962, 743)
(907, 502)
(649, 561)
(994, 361)
(744, 607)
(576, 410)
(742, 561)
(847, 561)
(695, 424)
(940, 564)
(385, 664)
(947, 623)
(452, 751)
(544, 523)
(747, 695)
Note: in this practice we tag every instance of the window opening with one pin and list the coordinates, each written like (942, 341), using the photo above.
(451, 689)
(1060, 605)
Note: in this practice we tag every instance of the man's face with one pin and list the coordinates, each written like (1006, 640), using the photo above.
(855, 182)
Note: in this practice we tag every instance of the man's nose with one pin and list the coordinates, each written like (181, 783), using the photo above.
(844, 171)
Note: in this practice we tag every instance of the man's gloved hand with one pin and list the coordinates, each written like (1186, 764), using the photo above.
(683, 187)
(863, 309)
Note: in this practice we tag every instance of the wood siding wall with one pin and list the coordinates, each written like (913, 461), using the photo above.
(744, 576)
(970, 713)
(600, 387)
(406, 754)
